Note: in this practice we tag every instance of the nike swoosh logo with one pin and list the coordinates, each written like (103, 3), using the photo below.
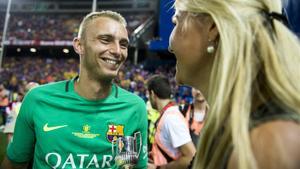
(46, 128)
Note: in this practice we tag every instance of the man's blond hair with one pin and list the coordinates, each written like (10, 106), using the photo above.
(94, 15)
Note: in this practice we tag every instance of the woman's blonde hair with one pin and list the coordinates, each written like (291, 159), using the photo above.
(254, 53)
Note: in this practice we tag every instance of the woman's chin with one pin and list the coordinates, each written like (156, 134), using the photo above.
(182, 76)
(180, 80)
(177, 79)
(184, 80)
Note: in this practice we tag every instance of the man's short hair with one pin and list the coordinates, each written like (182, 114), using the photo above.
(93, 15)
(160, 85)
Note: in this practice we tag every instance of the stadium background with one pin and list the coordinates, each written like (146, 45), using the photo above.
(38, 42)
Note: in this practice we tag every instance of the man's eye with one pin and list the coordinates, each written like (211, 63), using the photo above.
(104, 41)
(124, 45)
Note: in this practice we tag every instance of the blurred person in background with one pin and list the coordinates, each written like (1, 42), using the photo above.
(12, 111)
(245, 61)
(72, 123)
(195, 113)
(4, 101)
(153, 116)
(13, 85)
(173, 146)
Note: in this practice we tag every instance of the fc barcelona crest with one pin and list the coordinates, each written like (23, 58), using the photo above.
(114, 132)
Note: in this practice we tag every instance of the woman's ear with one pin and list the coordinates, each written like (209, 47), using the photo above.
(213, 32)
(77, 46)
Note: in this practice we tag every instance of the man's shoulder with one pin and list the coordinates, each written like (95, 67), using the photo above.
(173, 114)
(174, 110)
(53, 87)
(128, 96)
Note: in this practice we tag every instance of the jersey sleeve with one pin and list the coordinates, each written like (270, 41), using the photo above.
(143, 124)
(178, 129)
(21, 147)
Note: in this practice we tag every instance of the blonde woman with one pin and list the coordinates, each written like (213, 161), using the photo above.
(246, 62)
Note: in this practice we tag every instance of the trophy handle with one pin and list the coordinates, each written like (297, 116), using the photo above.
(138, 135)
(113, 145)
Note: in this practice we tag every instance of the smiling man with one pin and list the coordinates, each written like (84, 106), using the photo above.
(72, 124)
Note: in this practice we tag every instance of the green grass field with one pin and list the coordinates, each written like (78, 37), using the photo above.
(2, 146)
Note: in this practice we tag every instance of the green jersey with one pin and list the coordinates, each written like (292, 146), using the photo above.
(57, 128)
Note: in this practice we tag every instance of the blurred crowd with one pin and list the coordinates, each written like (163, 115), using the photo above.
(51, 27)
(16, 72)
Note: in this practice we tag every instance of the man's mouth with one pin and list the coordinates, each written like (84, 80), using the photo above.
(111, 61)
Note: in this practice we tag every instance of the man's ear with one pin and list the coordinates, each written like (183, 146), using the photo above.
(77, 46)
(151, 93)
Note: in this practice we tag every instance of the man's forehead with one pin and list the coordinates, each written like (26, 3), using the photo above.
(104, 20)
(108, 27)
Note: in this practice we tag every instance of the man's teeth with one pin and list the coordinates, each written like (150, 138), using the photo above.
(113, 62)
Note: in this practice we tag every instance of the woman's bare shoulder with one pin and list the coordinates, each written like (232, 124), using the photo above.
(276, 144)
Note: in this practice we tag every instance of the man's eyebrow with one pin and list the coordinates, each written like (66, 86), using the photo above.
(124, 40)
(105, 35)
(112, 37)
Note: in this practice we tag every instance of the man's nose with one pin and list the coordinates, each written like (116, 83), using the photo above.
(115, 49)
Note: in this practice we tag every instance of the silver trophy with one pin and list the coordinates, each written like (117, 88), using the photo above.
(126, 150)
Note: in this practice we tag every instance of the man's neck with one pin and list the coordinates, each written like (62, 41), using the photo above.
(162, 103)
(92, 89)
